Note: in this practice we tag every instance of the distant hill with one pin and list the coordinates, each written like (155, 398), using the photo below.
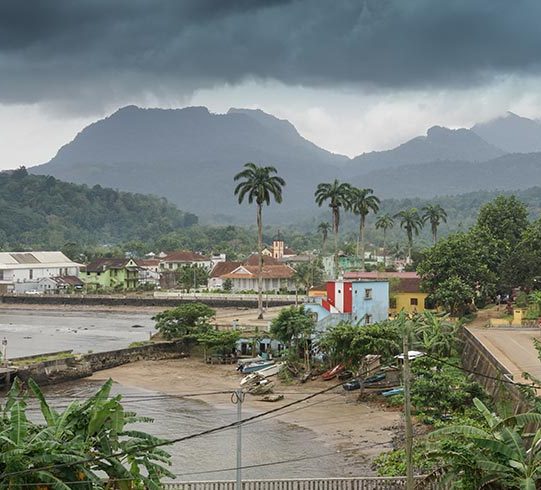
(508, 172)
(439, 144)
(512, 133)
(190, 156)
(39, 211)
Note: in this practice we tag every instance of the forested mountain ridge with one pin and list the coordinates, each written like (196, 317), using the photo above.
(190, 157)
(439, 144)
(512, 133)
(506, 173)
(43, 212)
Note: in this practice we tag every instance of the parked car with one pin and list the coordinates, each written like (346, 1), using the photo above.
(33, 291)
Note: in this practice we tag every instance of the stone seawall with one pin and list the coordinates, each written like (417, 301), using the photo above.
(75, 367)
(490, 373)
(94, 300)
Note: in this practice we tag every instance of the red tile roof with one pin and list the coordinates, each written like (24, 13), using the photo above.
(100, 265)
(280, 271)
(222, 268)
(184, 256)
(147, 262)
(267, 260)
(67, 281)
(380, 275)
(408, 282)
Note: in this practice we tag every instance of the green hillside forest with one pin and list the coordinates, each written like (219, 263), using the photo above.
(43, 212)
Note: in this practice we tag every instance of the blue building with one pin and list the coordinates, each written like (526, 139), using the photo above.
(361, 302)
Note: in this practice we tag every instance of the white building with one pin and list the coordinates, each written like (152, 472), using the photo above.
(21, 271)
(171, 261)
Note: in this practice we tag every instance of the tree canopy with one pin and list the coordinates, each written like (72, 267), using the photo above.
(187, 321)
(45, 212)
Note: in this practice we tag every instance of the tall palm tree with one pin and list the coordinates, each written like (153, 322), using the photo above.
(260, 185)
(412, 223)
(385, 222)
(435, 215)
(337, 193)
(324, 229)
(362, 202)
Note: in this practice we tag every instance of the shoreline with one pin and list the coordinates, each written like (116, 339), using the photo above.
(358, 430)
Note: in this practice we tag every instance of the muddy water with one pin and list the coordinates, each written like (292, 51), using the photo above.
(213, 457)
(37, 332)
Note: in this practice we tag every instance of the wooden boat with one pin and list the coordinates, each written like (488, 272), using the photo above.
(255, 366)
(394, 391)
(242, 362)
(332, 373)
(262, 373)
(374, 378)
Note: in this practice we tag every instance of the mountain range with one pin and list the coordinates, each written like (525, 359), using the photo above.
(190, 156)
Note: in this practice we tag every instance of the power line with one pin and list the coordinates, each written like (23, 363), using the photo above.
(232, 468)
(502, 379)
(178, 439)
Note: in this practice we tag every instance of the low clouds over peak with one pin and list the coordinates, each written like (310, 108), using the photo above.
(100, 51)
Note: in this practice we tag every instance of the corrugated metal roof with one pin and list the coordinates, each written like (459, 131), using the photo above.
(36, 260)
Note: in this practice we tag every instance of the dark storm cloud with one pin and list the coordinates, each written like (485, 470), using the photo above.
(92, 49)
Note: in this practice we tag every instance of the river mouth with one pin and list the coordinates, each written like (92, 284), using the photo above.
(271, 449)
(33, 332)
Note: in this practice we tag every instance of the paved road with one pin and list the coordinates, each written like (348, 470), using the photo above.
(513, 347)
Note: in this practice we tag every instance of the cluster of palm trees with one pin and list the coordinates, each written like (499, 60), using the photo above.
(362, 202)
(261, 184)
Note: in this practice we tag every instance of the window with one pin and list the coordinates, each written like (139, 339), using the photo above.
(30, 274)
(414, 301)
(367, 319)
(392, 302)
(368, 293)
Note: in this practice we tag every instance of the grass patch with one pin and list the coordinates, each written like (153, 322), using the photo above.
(38, 359)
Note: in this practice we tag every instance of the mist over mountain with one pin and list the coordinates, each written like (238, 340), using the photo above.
(439, 144)
(508, 172)
(190, 157)
(512, 133)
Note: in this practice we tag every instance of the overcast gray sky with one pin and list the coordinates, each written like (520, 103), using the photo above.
(352, 75)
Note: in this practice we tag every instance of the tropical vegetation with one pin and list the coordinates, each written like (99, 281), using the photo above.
(362, 202)
(87, 445)
(188, 321)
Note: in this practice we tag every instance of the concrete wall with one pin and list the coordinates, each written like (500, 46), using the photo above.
(491, 374)
(377, 306)
(60, 370)
(97, 300)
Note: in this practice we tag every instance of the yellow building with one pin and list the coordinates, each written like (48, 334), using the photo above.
(404, 290)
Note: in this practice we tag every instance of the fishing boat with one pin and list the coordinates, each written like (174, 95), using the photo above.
(262, 373)
(374, 378)
(243, 362)
(255, 366)
(332, 373)
(394, 391)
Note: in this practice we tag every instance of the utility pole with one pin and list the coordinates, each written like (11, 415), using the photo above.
(5, 352)
(407, 405)
(237, 398)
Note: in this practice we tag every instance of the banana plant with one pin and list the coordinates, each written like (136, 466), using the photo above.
(499, 455)
(77, 446)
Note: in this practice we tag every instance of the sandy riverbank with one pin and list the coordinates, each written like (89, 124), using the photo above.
(361, 430)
